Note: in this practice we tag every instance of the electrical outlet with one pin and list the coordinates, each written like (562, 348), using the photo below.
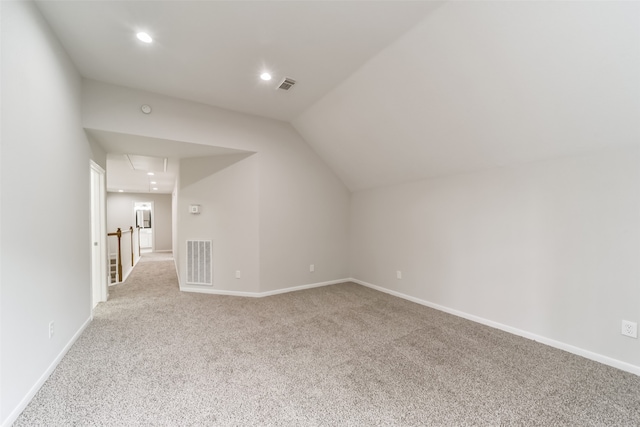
(51, 329)
(399, 274)
(237, 274)
(629, 329)
(312, 268)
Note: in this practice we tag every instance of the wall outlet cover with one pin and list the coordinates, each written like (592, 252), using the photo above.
(629, 329)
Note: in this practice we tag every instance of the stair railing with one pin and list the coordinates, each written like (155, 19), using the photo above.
(119, 234)
(131, 231)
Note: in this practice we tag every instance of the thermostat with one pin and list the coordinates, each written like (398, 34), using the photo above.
(194, 209)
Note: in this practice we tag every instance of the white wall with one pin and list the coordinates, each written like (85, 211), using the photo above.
(480, 84)
(45, 221)
(549, 248)
(303, 206)
(98, 155)
(120, 214)
(226, 188)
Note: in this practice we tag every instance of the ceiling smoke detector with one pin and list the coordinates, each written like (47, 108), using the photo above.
(287, 83)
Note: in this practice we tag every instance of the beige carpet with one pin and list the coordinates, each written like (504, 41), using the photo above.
(338, 355)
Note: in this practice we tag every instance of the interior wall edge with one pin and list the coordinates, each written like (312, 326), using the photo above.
(606, 360)
(175, 265)
(128, 273)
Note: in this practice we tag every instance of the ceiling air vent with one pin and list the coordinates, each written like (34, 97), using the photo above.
(287, 83)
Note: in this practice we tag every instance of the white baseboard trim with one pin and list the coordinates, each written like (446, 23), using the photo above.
(302, 287)
(13, 416)
(606, 360)
(259, 294)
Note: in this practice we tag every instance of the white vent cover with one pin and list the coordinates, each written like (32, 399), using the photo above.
(199, 262)
(287, 83)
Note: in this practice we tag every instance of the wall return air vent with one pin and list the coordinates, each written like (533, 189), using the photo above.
(199, 262)
(287, 83)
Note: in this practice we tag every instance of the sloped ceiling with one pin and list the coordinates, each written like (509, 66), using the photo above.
(388, 91)
(485, 84)
(213, 51)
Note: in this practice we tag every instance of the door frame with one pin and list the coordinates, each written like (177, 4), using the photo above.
(99, 273)
(153, 220)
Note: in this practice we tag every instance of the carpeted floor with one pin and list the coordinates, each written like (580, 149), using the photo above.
(341, 355)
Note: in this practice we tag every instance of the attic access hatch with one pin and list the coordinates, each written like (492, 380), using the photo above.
(147, 163)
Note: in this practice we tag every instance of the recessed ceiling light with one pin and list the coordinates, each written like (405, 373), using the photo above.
(265, 76)
(150, 173)
(120, 191)
(155, 188)
(153, 182)
(144, 37)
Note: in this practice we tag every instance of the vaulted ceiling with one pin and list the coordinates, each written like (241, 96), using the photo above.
(387, 91)
(484, 84)
(214, 51)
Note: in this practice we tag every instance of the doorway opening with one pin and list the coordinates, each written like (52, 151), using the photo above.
(143, 212)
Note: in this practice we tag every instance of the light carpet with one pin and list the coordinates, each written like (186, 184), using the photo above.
(341, 355)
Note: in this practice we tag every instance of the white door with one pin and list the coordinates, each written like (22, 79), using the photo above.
(99, 273)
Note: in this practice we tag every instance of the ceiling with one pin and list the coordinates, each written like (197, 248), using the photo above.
(214, 51)
(484, 84)
(126, 177)
(388, 91)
